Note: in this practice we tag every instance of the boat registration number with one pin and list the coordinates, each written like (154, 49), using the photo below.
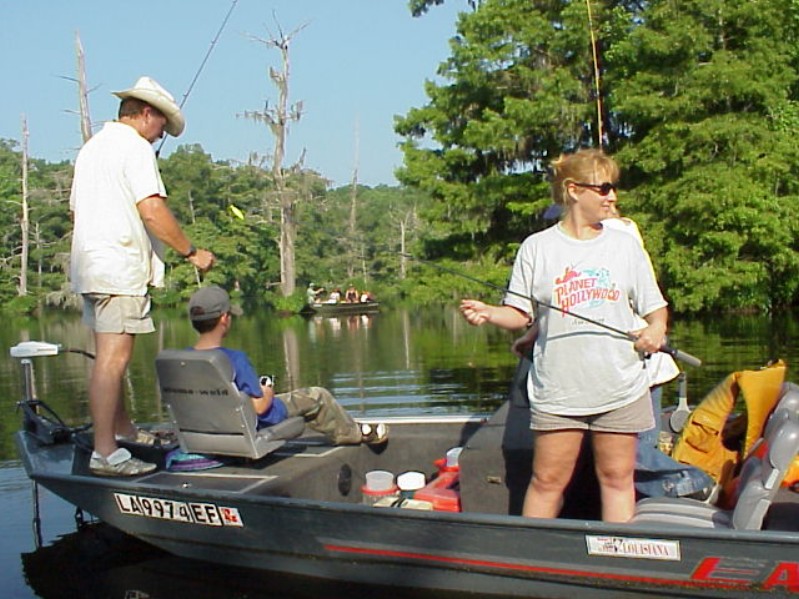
(207, 514)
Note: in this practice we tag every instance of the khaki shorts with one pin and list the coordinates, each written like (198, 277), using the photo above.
(632, 418)
(117, 313)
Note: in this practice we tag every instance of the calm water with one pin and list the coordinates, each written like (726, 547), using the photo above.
(397, 362)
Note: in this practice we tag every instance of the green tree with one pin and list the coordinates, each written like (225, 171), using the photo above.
(699, 105)
(220, 207)
(704, 99)
(519, 92)
(381, 212)
(48, 186)
(419, 7)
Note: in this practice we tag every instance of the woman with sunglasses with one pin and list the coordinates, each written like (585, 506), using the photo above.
(583, 378)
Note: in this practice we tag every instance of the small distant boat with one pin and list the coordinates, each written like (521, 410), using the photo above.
(341, 308)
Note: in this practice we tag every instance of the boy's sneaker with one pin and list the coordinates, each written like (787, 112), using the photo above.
(119, 463)
(374, 434)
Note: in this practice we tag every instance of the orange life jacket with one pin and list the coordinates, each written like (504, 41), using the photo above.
(716, 441)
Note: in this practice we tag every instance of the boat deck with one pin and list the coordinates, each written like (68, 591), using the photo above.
(310, 467)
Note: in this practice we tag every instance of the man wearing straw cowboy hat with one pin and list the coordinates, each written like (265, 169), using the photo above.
(121, 225)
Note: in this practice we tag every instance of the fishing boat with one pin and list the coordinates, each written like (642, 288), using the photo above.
(306, 508)
(341, 308)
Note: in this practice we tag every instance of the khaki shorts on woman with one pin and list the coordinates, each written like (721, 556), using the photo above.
(632, 418)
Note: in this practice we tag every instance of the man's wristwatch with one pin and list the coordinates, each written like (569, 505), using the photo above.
(191, 252)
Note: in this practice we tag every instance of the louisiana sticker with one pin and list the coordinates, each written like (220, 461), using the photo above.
(610, 546)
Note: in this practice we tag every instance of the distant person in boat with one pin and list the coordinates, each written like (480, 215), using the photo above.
(312, 294)
(366, 297)
(211, 315)
(335, 296)
(121, 224)
(351, 295)
(583, 378)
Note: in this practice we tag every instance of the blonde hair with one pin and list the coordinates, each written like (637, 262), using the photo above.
(582, 166)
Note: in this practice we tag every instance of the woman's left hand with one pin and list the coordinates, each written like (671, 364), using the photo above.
(650, 339)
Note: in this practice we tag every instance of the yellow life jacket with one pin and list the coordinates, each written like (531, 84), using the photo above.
(715, 441)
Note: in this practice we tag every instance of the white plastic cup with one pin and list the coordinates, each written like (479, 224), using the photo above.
(379, 485)
(379, 480)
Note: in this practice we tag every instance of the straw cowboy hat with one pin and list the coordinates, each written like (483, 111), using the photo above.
(148, 90)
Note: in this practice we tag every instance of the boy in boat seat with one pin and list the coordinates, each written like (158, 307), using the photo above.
(211, 315)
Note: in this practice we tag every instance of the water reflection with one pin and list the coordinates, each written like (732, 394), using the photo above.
(399, 361)
(98, 562)
(395, 362)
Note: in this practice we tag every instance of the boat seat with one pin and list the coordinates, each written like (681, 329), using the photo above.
(209, 413)
(788, 404)
(760, 478)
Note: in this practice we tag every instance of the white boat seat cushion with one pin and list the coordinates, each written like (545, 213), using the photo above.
(209, 413)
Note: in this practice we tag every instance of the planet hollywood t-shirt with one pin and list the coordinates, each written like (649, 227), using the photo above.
(579, 368)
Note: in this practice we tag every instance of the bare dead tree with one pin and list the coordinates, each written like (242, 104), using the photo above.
(24, 221)
(83, 92)
(407, 223)
(37, 243)
(403, 250)
(278, 118)
(353, 220)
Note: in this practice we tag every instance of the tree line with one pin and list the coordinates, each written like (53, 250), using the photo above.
(230, 208)
(696, 99)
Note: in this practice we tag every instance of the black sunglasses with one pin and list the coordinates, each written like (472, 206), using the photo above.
(602, 188)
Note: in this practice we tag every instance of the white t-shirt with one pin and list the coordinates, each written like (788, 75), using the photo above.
(112, 252)
(579, 368)
(660, 367)
(624, 224)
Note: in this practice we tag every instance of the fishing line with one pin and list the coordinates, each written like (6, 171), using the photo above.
(666, 349)
(202, 66)
(197, 274)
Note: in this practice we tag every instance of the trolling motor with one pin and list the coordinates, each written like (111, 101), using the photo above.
(39, 420)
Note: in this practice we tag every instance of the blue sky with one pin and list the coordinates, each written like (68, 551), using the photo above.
(355, 65)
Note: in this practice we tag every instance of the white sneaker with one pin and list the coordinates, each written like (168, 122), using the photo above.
(374, 434)
(119, 463)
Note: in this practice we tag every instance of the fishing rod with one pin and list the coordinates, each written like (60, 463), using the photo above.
(202, 66)
(666, 349)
